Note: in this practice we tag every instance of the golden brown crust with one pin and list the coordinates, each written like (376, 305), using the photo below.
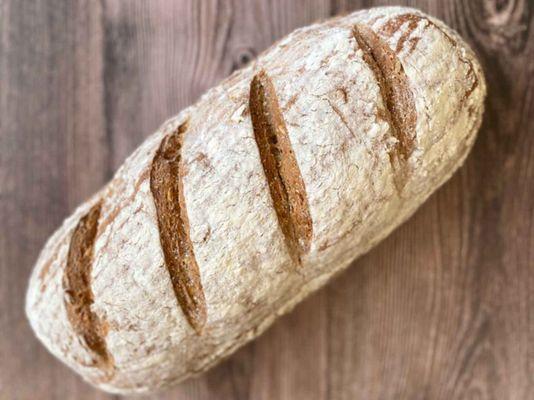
(167, 189)
(397, 96)
(79, 295)
(280, 165)
(394, 24)
(340, 129)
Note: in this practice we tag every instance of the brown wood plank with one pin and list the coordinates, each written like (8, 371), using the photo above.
(441, 310)
(53, 154)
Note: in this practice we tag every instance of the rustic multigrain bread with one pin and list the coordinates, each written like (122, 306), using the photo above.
(247, 201)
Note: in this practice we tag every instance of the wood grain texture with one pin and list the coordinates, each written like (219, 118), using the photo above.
(443, 309)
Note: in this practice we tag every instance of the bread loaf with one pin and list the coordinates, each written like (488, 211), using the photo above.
(252, 198)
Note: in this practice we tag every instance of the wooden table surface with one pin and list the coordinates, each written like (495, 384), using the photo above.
(442, 309)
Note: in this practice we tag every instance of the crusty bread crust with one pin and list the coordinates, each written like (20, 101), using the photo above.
(338, 119)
